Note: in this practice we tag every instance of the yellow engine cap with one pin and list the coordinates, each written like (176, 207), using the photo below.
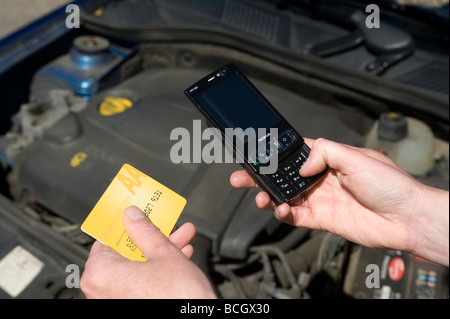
(112, 105)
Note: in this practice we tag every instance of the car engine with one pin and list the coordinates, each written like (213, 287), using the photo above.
(103, 103)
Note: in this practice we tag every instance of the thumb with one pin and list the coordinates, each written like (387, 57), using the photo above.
(326, 153)
(147, 237)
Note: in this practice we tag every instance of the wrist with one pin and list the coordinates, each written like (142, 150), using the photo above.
(429, 225)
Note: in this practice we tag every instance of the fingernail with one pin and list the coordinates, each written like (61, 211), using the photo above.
(134, 213)
(276, 212)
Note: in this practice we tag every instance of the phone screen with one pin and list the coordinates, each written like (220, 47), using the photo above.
(232, 105)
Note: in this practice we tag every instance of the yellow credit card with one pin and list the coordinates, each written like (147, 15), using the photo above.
(131, 187)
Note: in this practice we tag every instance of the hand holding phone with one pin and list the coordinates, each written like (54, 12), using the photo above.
(263, 141)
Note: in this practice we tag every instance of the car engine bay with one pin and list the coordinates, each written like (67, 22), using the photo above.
(113, 93)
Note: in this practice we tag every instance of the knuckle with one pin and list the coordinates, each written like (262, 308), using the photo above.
(320, 142)
(91, 280)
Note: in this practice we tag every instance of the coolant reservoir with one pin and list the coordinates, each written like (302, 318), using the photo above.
(407, 141)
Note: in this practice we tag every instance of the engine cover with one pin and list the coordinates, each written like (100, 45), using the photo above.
(70, 166)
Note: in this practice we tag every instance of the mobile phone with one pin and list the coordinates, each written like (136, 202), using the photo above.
(275, 151)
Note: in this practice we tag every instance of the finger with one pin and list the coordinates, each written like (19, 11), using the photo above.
(188, 251)
(101, 250)
(309, 141)
(263, 201)
(318, 158)
(150, 240)
(183, 235)
(283, 214)
(340, 157)
(241, 179)
(335, 155)
(300, 216)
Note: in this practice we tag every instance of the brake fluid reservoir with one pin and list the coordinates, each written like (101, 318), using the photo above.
(407, 141)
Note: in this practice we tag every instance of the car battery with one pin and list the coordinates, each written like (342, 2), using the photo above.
(392, 274)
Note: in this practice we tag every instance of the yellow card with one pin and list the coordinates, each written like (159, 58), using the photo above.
(131, 187)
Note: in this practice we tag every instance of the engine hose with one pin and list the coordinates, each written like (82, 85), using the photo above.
(296, 289)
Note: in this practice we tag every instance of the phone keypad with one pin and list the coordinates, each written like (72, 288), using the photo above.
(287, 177)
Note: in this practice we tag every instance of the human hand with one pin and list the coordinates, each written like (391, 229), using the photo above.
(167, 272)
(364, 197)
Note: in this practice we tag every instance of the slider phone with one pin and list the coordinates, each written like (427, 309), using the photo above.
(275, 152)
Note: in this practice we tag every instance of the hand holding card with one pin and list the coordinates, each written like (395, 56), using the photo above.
(131, 187)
